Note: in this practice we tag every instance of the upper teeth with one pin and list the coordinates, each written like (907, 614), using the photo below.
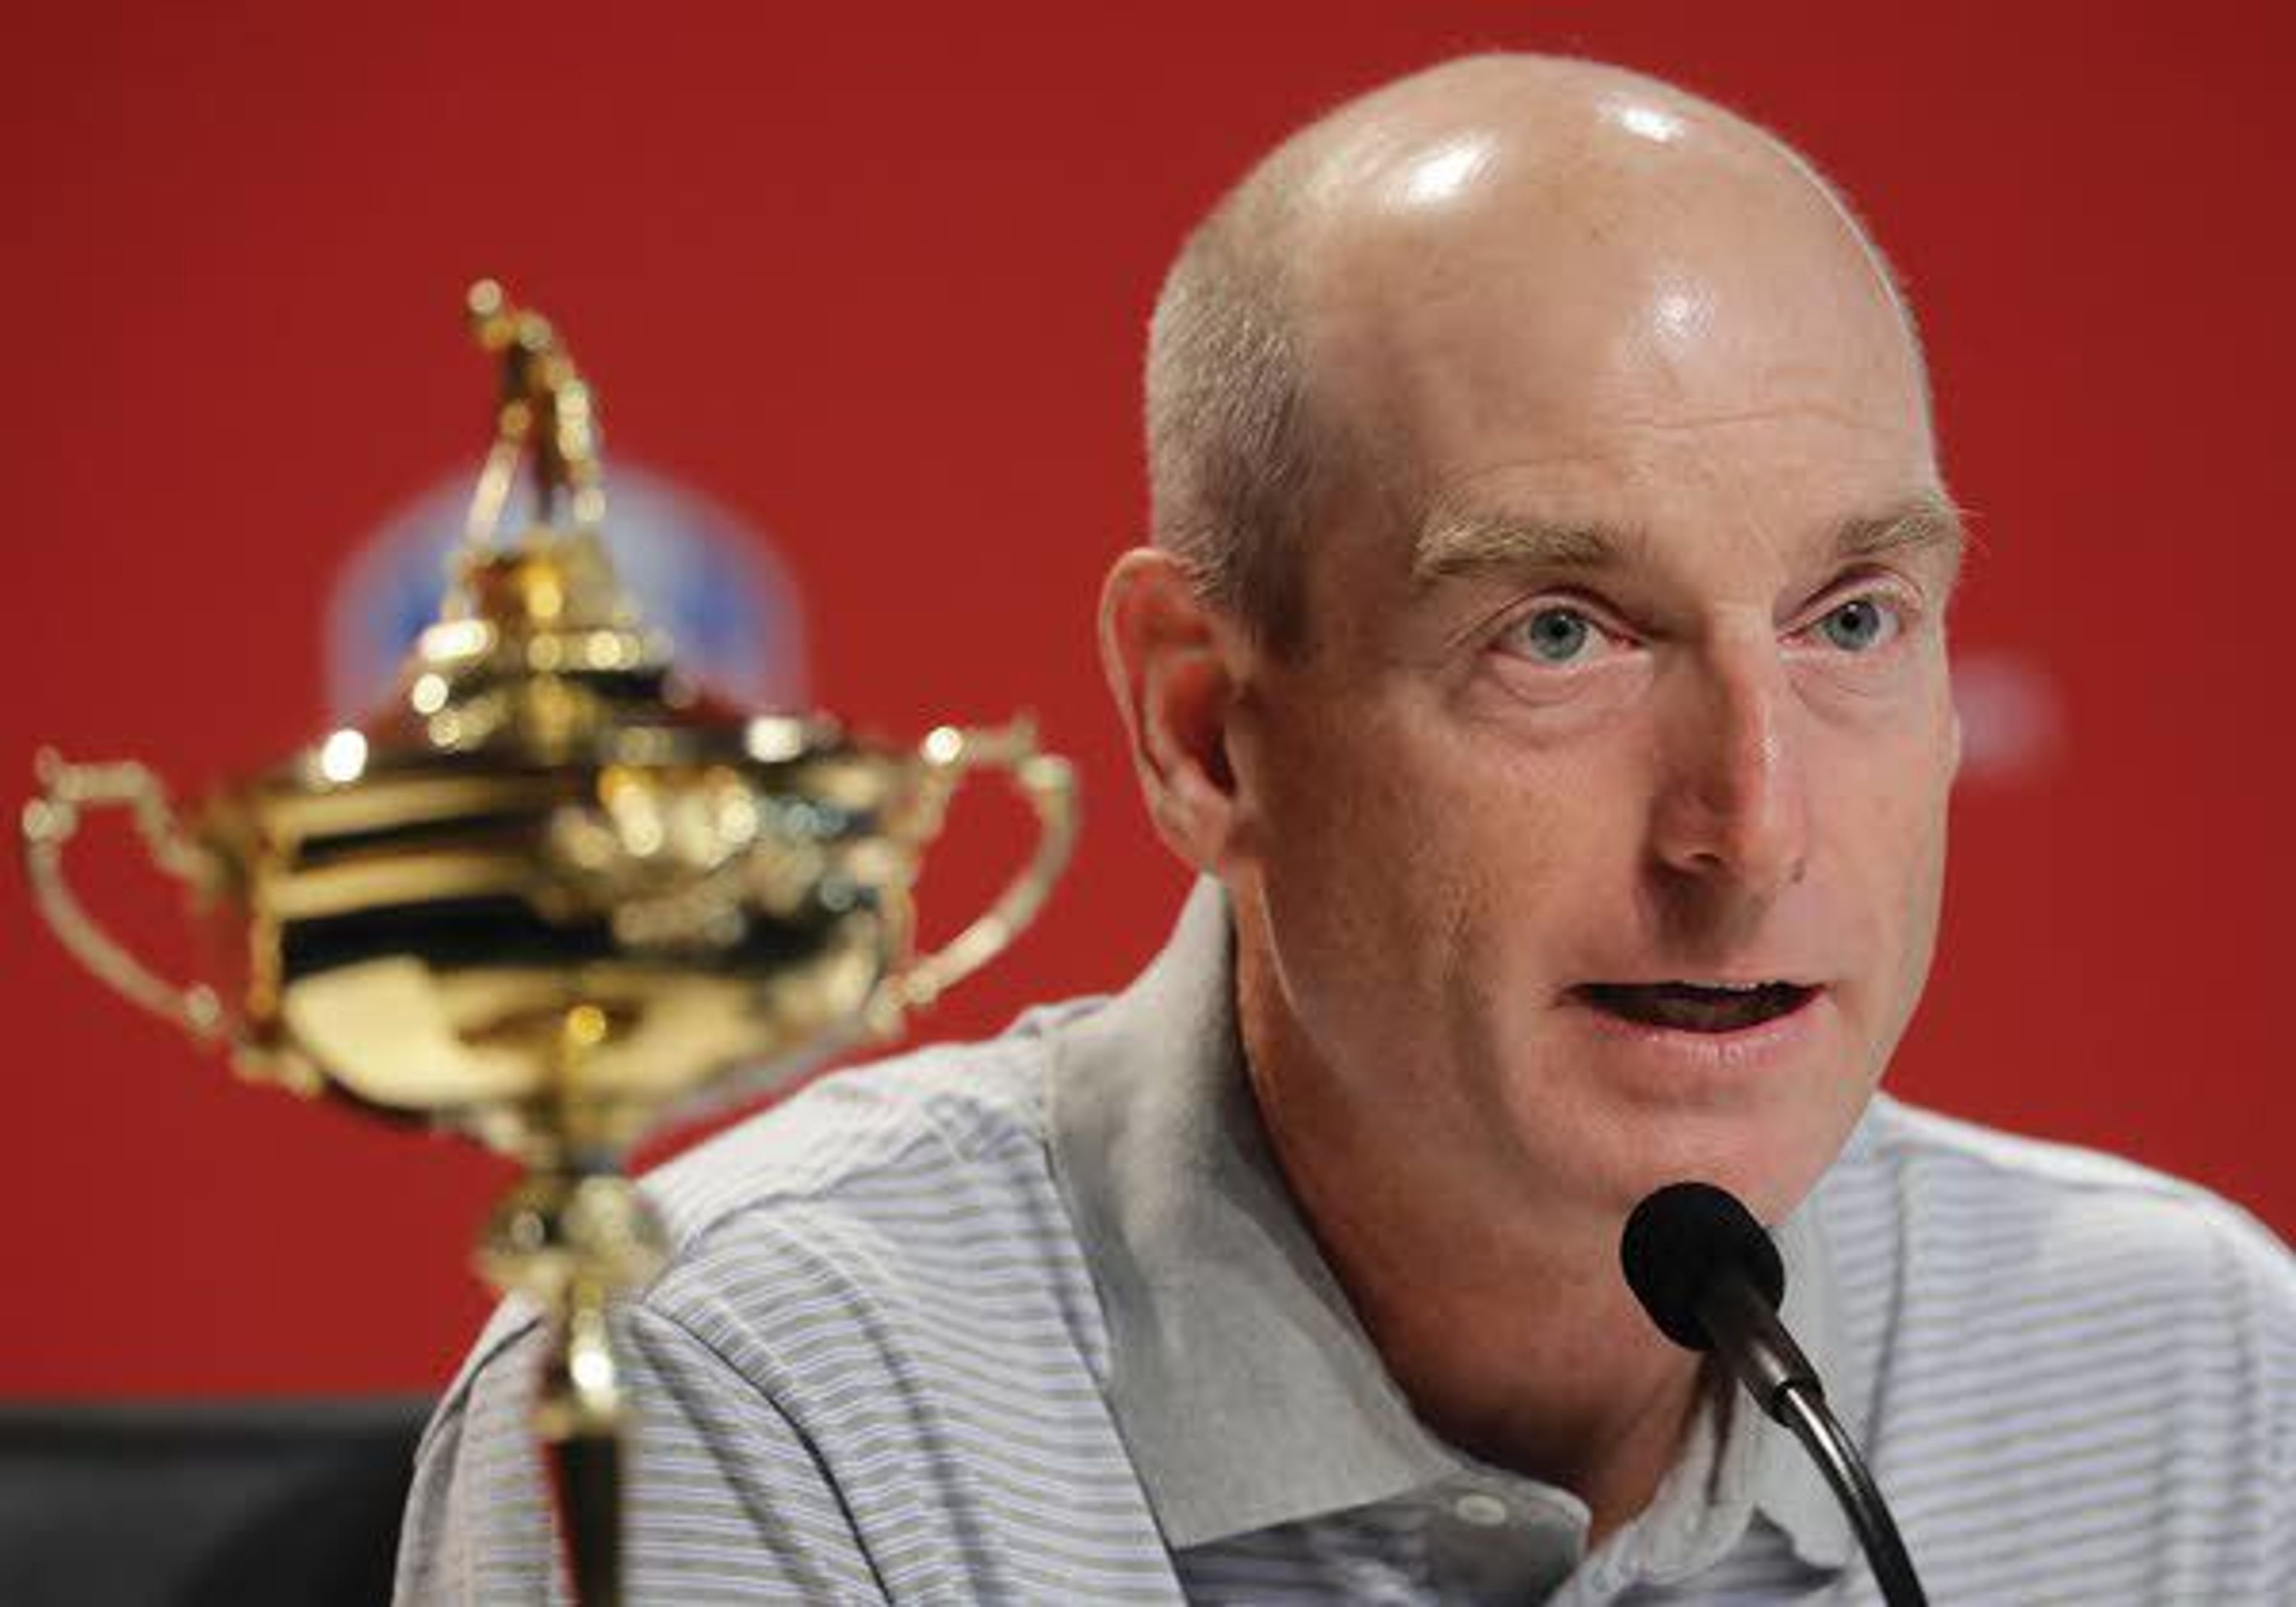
(1728, 987)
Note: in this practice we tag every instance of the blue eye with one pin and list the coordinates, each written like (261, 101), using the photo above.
(1555, 635)
(1858, 626)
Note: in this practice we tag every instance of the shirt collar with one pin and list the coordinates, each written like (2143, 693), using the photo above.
(1247, 1393)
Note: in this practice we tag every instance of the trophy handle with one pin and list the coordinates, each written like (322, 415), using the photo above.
(1048, 782)
(49, 822)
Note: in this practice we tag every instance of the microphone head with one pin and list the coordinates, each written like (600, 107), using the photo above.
(1678, 1241)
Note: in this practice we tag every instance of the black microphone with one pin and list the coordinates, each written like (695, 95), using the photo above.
(1709, 1276)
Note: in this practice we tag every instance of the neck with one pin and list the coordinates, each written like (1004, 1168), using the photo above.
(1526, 1362)
(1515, 1340)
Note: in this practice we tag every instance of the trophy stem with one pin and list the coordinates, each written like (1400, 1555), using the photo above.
(581, 1414)
(575, 1241)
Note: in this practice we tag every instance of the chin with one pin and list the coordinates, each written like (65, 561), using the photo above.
(1770, 1158)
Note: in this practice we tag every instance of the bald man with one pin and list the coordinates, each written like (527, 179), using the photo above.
(1543, 659)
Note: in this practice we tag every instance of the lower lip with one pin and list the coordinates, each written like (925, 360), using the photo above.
(1742, 1051)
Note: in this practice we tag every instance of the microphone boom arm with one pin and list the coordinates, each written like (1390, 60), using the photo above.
(1805, 1412)
(1747, 1332)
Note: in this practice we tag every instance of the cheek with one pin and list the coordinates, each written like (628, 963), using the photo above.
(1360, 845)
(1422, 873)
(1406, 797)
(1885, 823)
(1883, 812)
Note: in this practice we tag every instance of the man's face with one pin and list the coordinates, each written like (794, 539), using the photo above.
(1593, 838)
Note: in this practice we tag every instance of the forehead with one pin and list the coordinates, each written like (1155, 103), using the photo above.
(1723, 479)
(1642, 340)
(1727, 505)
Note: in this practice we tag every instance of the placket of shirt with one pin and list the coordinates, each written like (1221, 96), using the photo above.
(1481, 1537)
(1477, 1537)
(1493, 1537)
(1701, 1513)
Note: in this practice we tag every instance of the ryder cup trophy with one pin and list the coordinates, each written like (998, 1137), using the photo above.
(553, 896)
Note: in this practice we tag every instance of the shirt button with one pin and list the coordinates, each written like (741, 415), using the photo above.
(1482, 1510)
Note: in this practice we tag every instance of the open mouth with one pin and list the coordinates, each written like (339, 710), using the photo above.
(1696, 1006)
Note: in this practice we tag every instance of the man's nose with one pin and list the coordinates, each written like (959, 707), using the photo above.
(1731, 806)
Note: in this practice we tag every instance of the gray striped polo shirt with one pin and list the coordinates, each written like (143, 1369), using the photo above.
(1035, 1321)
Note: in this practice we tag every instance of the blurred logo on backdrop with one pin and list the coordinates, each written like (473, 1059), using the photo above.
(2012, 716)
(709, 581)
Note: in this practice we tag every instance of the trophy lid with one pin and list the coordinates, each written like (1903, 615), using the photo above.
(539, 655)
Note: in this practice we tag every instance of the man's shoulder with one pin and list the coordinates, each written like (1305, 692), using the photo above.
(861, 1200)
(2034, 1339)
(1944, 1186)
(874, 1363)
(1981, 1263)
(847, 1140)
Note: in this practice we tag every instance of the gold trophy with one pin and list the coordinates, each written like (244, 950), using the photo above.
(553, 896)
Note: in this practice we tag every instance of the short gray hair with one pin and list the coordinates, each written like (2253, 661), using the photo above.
(1232, 450)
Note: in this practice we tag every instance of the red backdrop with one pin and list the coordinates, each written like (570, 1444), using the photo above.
(876, 280)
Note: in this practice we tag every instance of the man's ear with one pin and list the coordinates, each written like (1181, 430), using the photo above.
(1171, 660)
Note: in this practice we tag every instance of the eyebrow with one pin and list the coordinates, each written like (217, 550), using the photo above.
(1928, 519)
(1465, 541)
(1458, 541)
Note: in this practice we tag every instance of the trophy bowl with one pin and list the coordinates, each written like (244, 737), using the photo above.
(552, 896)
